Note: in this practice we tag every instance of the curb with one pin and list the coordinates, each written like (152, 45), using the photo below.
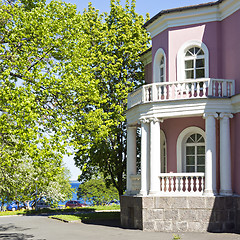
(66, 221)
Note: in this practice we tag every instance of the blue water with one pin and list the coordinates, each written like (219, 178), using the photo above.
(74, 186)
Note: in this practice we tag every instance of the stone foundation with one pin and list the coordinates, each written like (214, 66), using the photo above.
(181, 214)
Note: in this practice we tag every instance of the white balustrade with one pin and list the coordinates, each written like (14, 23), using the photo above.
(165, 91)
(181, 184)
(175, 184)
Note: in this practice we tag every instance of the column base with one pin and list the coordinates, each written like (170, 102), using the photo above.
(142, 193)
(226, 192)
(154, 193)
(209, 193)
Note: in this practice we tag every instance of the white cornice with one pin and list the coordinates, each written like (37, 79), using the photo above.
(180, 108)
(147, 58)
(193, 16)
(236, 103)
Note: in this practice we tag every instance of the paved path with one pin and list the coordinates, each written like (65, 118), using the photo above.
(43, 228)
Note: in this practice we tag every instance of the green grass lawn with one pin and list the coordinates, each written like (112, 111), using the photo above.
(89, 216)
(8, 213)
(60, 211)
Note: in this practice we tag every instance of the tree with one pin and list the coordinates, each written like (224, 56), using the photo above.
(64, 80)
(36, 42)
(95, 191)
(116, 41)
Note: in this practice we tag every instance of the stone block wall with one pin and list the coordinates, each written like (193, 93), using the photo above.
(181, 214)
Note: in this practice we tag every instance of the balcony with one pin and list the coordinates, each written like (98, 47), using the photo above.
(189, 89)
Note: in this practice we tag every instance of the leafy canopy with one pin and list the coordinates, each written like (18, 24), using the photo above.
(38, 42)
(116, 40)
(95, 191)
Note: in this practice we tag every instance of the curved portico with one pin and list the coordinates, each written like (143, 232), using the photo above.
(151, 113)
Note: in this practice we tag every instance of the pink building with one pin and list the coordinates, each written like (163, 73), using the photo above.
(189, 116)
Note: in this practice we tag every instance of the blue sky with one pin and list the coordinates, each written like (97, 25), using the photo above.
(142, 7)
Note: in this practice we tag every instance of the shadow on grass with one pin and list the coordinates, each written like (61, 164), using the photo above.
(108, 223)
(47, 211)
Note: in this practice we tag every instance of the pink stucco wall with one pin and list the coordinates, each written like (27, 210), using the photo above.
(161, 41)
(208, 33)
(230, 47)
(172, 132)
(148, 73)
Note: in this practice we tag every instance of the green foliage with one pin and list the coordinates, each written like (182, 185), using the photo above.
(33, 37)
(64, 80)
(116, 41)
(96, 191)
(175, 237)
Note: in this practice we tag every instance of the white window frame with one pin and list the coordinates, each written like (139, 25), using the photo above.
(157, 64)
(181, 58)
(195, 145)
(181, 144)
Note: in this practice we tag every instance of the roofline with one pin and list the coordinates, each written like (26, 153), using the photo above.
(180, 9)
(145, 52)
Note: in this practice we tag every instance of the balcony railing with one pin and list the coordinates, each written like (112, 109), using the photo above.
(189, 89)
(181, 184)
(175, 184)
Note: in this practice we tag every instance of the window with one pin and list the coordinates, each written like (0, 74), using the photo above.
(159, 66)
(191, 150)
(162, 69)
(194, 63)
(195, 153)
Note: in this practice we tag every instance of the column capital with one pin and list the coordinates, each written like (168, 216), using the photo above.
(144, 120)
(210, 114)
(155, 119)
(228, 115)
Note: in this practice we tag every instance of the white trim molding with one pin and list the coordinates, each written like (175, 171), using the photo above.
(183, 136)
(146, 58)
(181, 55)
(194, 16)
(156, 65)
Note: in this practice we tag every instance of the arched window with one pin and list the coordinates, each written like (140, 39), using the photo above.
(195, 153)
(192, 61)
(191, 150)
(159, 66)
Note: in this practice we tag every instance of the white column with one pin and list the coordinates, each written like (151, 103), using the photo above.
(131, 156)
(225, 155)
(155, 155)
(210, 154)
(144, 156)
